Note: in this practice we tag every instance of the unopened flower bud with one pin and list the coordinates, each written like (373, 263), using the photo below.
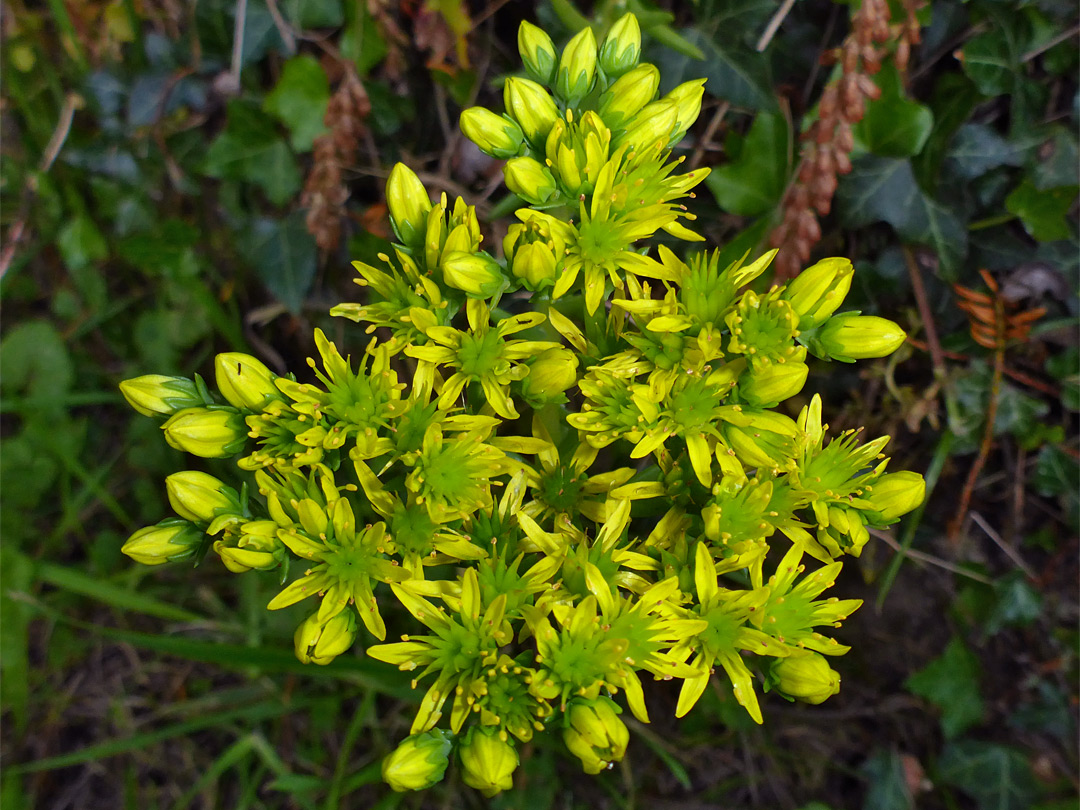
(850, 336)
(244, 381)
(653, 124)
(625, 97)
(807, 677)
(687, 99)
(532, 107)
(496, 135)
(767, 386)
(477, 274)
(319, 642)
(419, 762)
(894, 495)
(595, 734)
(551, 373)
(409, 204)
(622, 47)
(488, 761)
(169, 541)
(199, 497)
(158, 395)
(817, 291)
(529, 179)
(577, 67)
(206, 432)
(537, 52)
(257, 548)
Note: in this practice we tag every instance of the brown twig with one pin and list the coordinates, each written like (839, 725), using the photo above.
(930, 559)
(1019, 376)
(56, 142)
(937, 357)
(707, 136)
(1010, 552)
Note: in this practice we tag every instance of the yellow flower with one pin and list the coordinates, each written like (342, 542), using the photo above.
(482, 355)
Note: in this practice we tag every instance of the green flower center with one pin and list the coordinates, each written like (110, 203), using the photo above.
(692, 408)
(560, 488)
(479, 353)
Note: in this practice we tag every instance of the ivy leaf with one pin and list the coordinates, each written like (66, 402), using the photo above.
(1056, 472)
(283, 254)
(997, 777)
(755, 182)
(951, 682)
(894, 125)
(314, 13)
(888, 786)
(1058, 167)
(734, 72)
(299, 100)
(989, 60)
(250, 149)
(884, 189)
(977, 149)
(1044, 213)
(1018, 604)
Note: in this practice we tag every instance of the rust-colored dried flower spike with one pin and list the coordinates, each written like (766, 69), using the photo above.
(325, 191)
(994, 321)
(827, 144)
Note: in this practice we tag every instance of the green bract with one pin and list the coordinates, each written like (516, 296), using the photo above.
(654, 514)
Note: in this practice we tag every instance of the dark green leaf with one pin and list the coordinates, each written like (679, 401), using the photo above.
(1057, 166)
(951, 683)
(988, 60)
(362, 42)
(1056, 472)
(36, 363)
(997, 777)
(884, 189)
(251, 149)
(1018, 603)
(755, 182)
(80, 243)
(894, 125)
(283, 254)
(977, 149)
(16, 576)
(299, 100)
(888, 790)
(734, 72)
(1043, 212)
(314, 13)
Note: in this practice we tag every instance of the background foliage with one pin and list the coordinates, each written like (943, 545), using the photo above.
(176, 183)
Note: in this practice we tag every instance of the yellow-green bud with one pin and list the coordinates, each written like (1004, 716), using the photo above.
(551, 373)
(535, 264)
(244, 381)
(206, 432)
(319, 642)
(537, 52)
(767, 386)
(850, 336)
(622, 47)
(158, 395)
(258, 546)
(653, 124)
(625, 98)
(807, 677)
(488, 761)
(409, 204)
(577, 67)
(894, 495)
(687, 98)
(532, 107)
(199, 497)
(170, 540)
(595, 734)
(477, 274)
(817, 291)
(845, 534)
(529, 179)
(419, 762)
(496, 135)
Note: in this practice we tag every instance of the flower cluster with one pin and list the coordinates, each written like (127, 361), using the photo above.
(555, 471)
